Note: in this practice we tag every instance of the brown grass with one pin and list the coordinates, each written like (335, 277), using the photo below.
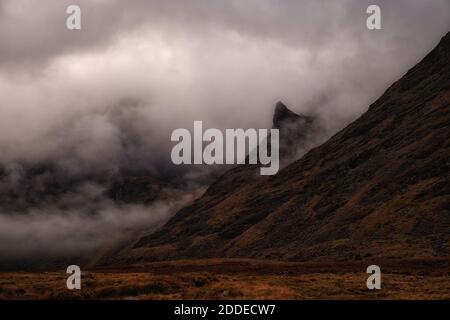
(235, 279)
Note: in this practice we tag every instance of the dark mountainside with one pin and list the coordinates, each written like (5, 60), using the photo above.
(380, 188)
(26, 184)
(43, 185)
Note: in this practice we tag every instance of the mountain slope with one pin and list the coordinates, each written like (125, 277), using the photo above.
(378, 188)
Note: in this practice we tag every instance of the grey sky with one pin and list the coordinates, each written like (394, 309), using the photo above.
(139, 69)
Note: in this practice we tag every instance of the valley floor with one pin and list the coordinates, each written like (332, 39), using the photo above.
(237, 279)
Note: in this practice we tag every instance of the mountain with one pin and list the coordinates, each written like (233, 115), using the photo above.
(290, 125)
(284, 118)
(298, 132)
(380, 188)
(23, 187)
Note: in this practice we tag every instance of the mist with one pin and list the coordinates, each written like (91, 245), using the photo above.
(77, 227)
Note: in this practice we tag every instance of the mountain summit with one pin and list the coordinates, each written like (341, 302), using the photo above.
(283, 116)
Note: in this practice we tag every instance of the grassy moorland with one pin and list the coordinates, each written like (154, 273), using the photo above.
(237, 279)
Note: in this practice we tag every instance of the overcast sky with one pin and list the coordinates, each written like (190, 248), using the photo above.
(139, 69)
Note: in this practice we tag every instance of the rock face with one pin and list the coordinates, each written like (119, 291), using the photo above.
(380, 188)
(298, 132)
(283, 117)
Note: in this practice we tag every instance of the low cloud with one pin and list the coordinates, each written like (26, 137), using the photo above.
(77, 226)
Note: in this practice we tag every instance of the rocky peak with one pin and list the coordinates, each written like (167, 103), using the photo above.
(283, 115)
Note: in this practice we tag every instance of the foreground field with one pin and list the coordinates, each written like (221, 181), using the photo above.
(237, 279)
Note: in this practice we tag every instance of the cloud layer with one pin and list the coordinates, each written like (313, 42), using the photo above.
(143, 68)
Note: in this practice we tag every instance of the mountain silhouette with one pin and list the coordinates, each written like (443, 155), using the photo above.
(379, 188)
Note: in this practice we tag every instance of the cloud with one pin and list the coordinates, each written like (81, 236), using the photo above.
(77, 225)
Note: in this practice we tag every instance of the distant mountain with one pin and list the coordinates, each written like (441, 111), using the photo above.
(32, 186)
(380, 188)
